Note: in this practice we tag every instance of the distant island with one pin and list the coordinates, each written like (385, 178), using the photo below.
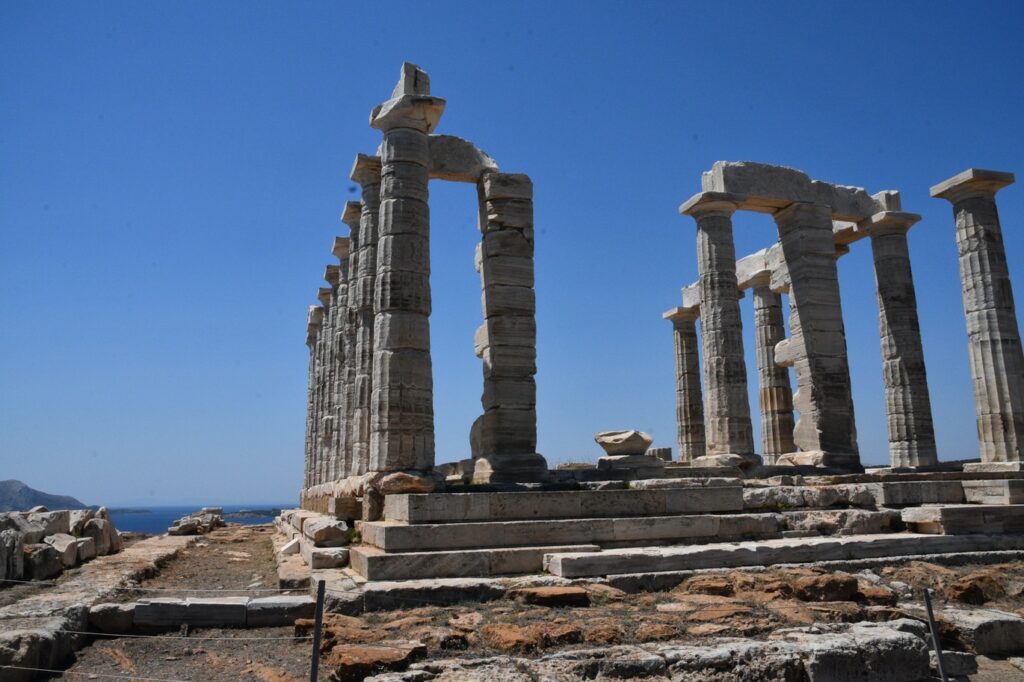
(252, 513)
(17, 496)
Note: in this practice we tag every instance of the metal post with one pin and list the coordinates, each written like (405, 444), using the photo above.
(935, 634)
(318, 620)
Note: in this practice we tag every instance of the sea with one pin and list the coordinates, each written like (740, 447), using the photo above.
(157, 520)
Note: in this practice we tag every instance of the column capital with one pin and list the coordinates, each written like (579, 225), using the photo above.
(340, 248)
(973, 182)
(323, 294)
(353, 211)
(365, 170)
(410, 105)
(681, 314)
(890, 222)
(332, 275)
(711, 203)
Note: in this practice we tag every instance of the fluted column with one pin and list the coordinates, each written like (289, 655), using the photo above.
(366, 172)
(342, 380)
(825, 432)
(908, 408)
(993, 338)
(328, 447)
(726, 408)
(320, 399)
(402, 403)
(776, 395)
(689, 401)
(314, 318)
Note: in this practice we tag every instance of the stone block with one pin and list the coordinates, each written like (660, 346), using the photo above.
(318, 558)
(373, 564)
(509, 393)
(508, 213)
(402, 290)
(53, 522)
(509, 330)
(86, 549)
(216, 612)
(327, 532)
(987, 632)
(965, 519)
(115, 619)
(458, 160)
(501, 299)
(66, 546)
(509, 361)
(507, 186)
(98, 530)
(401, 330)
(911, 493)
(506, 243)
(344, 507)
(410, 252)
(42, 562)
(12, 555)
(1007, 491)
(278, 610)
(501, 431)
(160, 612)
(291, 547)
(516, 271)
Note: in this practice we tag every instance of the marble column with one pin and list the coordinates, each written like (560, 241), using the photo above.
(323, 294)
(689, 401)
(908, 408)
(727, 426)
(366, 172)
(993, 338)
(314, 318)
(402, 403)
(825, 432)
(503, 440)
(328, 446)
(340, 387)
(775, 393)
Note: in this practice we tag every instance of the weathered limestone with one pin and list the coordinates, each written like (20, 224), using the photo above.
(689, 401)
(366, 172)
(993, 338)
(331, 354)
(825, 432)
(504, 439)
(314, 320)
(344, 342)
(401, 406)
(727, 427)
(776, 396)
(907, 405)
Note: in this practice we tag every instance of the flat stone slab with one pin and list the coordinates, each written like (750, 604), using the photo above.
(375, 564)
(570, 504)
(768, 552)
(1006, 491)
(278, 610)
(962, 519)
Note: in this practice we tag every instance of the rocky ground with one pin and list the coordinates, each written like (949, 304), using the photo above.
(560, 625)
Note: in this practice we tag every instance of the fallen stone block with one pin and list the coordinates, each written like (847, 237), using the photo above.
(987, 632)
(42, 562)
(327, 532)
(954, 663)
(100, 534)
(355, 662)
(567, 595)
(12, 555)
(86, 549)
(53, 522)
(318, 558)
(112, 618)
(291, 547)
(278, 610)
(67, 546)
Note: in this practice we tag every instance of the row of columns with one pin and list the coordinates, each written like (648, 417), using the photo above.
(718, 422)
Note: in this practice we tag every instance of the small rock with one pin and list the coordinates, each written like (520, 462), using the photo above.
(630, 442)
(569, 595)
(825, 587)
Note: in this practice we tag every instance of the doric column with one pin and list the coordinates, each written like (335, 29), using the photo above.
(776, 395)
(726, 408)
(908, 408)
(993, 338)
(402, 403)
(323, 294)
(689, 401)
(366, 172)
(328, 447)
(825, 432)
(340, 462)
(314, 318)
(504, 439)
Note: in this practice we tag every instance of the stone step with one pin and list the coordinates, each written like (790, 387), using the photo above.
(1005, 491)
(619, 532)
(374, 564)
(961, 519)
(768, 552)
(565, 504)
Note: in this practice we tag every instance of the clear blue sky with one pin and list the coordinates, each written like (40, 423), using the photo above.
(171, 176)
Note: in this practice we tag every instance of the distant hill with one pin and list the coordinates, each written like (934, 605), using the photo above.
(16, 496)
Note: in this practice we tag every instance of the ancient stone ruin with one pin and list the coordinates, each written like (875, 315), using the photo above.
(377, 506)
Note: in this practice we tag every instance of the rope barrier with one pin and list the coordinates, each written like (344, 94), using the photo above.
(188, 637)
(140, 588)
(92, 674)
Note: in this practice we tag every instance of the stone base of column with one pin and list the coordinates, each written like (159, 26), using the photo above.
(637, 466)
(822, 458)
(529, 468)
(744, 462)
(997, 467)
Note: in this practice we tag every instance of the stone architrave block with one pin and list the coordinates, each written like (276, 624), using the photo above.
(513, 393)
(514, 271)
(500, 299)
